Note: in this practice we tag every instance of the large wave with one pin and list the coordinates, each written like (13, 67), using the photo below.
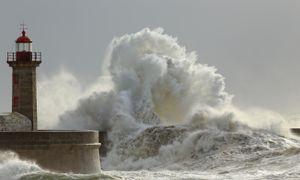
(161, 108)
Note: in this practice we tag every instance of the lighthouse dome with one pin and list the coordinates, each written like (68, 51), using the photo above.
(23, 38)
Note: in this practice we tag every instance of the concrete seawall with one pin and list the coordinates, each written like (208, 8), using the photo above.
(60, 151)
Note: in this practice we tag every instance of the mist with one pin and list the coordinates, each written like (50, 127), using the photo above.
(151, 79)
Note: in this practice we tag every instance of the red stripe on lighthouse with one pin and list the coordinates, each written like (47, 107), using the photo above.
(15, 101)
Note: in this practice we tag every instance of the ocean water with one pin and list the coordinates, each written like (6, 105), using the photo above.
(200, 154)
(168, 116)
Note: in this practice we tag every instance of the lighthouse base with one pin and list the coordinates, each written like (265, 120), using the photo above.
(59, 151)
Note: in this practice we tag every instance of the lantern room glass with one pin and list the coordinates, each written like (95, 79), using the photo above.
(27, 47)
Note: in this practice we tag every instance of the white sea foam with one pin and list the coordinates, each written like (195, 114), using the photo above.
(11, 167)
(163, 109)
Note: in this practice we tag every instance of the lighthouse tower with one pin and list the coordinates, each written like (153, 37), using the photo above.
(24, 63)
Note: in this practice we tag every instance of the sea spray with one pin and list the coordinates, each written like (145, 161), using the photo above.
(154, 81)
(165, 110)
(11, 167)
(61, 92)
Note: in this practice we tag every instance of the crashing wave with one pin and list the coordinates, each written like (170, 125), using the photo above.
(164, 109)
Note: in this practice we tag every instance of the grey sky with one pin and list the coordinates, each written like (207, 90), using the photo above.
(255, 44)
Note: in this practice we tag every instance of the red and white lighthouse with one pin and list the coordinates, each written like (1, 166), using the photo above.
(24, 63)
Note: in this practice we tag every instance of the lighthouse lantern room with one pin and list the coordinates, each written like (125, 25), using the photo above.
(24, 63)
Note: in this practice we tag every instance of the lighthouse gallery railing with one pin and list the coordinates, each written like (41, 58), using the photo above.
(36, 56)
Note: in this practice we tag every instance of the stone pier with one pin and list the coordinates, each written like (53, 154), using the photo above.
(60, 151)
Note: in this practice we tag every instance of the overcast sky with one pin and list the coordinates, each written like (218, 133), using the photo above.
(255, 44)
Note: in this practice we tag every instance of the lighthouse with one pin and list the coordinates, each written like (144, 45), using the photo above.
(57, 150)
(24, 62)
